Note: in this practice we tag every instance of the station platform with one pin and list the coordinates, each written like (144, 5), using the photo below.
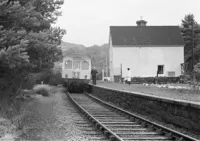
(179, 94)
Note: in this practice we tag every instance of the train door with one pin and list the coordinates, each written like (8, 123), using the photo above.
(85, 67)
(76, 68)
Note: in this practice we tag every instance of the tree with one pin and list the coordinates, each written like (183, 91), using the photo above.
(190, 33)
(43, 48)
(28, 43)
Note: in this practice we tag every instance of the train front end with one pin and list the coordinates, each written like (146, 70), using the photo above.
(76, 71)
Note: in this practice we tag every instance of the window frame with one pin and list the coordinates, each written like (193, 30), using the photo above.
(161, 70)
(71, 65)
(171, 72)
(82, 65)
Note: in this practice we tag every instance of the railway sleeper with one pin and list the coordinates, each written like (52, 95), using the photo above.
(147, 138)
(110, 115)
(112, 120)
(130, 130)
(139, 129)
(98, 138)
(127, 132)
(118, 124)
(92, 132)
(123, 126)
(141, 135)
(102, 112)
(85, 126)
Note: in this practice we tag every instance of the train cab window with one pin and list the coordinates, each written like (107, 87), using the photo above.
(68, 64)
(76, 65)
(85, 65)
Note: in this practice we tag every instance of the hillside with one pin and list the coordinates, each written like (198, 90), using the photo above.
(98, 54)
(71, 48)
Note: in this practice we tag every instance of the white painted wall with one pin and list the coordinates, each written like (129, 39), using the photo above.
(111, 60)
(144, 61)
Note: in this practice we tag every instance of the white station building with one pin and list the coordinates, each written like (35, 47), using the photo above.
(145, 50)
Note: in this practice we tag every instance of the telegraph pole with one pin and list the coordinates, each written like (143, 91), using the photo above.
(103, 72)
(193, 76)
(106, 67)
(192, 45)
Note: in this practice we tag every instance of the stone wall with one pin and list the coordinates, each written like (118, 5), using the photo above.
(177, 112)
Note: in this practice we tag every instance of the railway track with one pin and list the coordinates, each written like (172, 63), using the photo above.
(85, 126)
(120, 125)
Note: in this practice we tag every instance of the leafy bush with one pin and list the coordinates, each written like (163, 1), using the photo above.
(162, 80)
(117, 78)
(17, 113)
(55, 79)
(29, 84)
(42, 89)
(43, 92)
(20, 119)
(43, 76)
(50, 77)
(30, 81)
(197, 71)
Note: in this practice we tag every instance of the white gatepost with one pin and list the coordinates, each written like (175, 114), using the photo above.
(102, 74)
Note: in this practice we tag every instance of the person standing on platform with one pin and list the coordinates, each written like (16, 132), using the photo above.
(93, 73)
(129, 76)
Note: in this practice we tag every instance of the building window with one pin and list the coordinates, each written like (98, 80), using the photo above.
(68, 64)
(160, 69)
(171, 73)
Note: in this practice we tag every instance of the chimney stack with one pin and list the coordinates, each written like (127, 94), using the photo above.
(141, 23)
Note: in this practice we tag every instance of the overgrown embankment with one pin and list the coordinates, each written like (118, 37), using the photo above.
(51, 118)
(44, 116)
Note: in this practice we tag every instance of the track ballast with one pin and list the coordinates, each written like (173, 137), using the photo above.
(120, 125)
(85, 126)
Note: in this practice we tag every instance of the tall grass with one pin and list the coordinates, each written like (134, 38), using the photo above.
(19, 111)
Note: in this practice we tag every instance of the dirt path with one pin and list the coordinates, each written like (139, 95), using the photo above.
(52, 121)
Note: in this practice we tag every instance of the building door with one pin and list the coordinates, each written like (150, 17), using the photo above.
(160, 69)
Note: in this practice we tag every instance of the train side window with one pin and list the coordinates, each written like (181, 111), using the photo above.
(68, 64)
(85, 65)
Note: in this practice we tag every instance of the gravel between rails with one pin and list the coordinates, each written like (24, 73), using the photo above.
(52, 120)
(159, 92)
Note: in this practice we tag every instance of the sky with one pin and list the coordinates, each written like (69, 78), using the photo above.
(87, 22)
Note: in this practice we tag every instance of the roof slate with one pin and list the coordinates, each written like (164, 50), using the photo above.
(145, 35)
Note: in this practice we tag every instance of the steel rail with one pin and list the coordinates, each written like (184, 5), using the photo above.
(161, 128)
(111, 135)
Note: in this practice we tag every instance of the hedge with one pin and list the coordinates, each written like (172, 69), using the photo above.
(161, 80)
